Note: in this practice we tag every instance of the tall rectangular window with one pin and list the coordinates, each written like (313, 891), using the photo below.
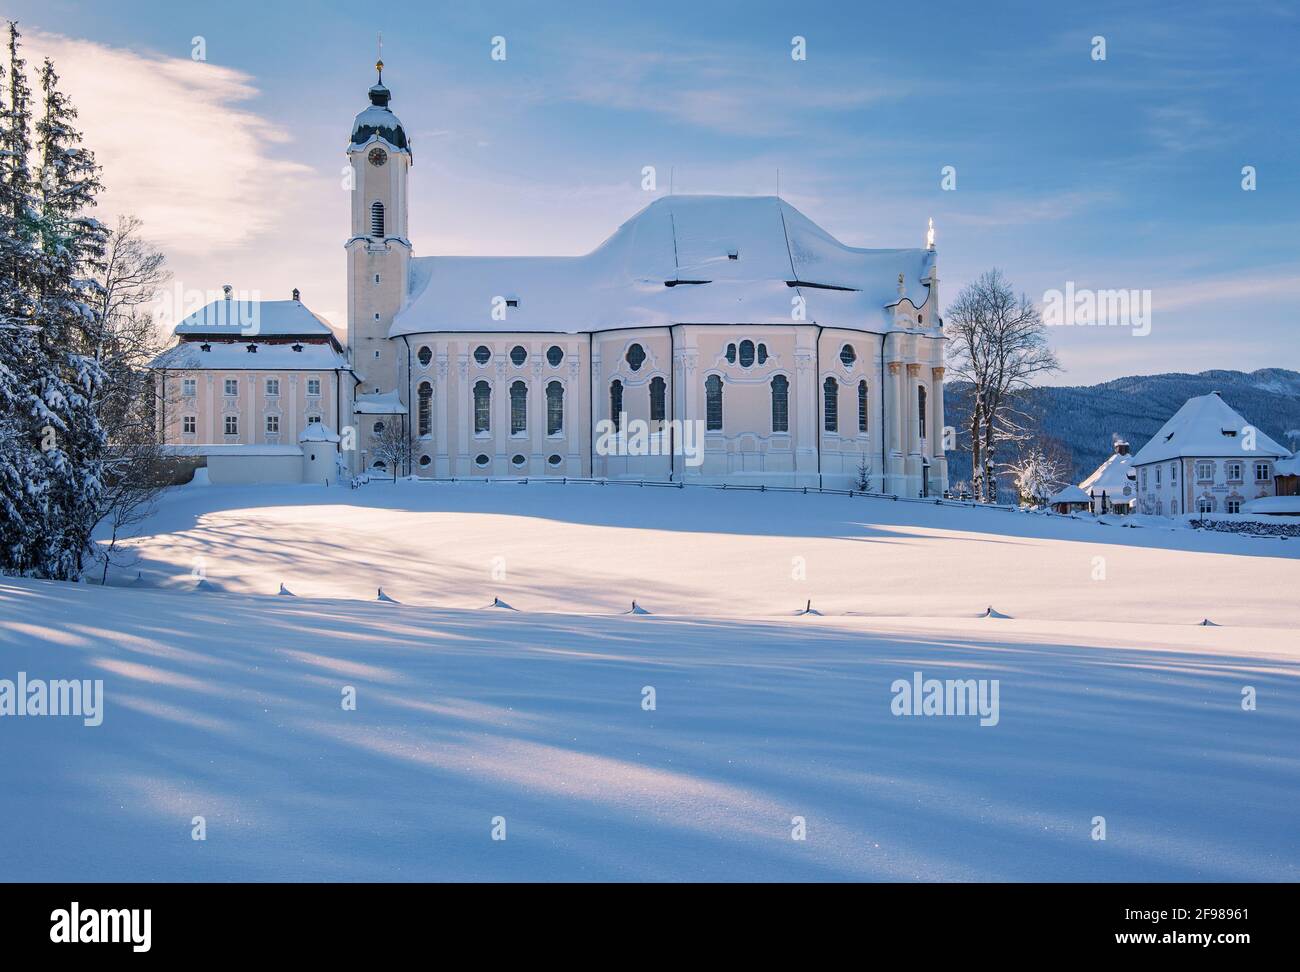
(482, 408)
(616, 404)
(272, 387)
(313, 386)
(831, 404)
(189, 387)
(232, 425)
(273, 425)
(518, 408)
(554, 408)
(189, 424)
(780, 404)
(658, 410)
(862, 407)
(424, 409)
(713, 404)
(232, 386)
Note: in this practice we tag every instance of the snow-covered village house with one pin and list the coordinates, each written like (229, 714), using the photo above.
(1206, 459)
(1112, 486)
(799, 360)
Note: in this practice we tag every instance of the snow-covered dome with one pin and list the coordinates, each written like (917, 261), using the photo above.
(378, 120)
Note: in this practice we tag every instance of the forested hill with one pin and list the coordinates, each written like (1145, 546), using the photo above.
(1083, 418)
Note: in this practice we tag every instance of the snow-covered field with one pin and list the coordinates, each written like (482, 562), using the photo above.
(224, 702)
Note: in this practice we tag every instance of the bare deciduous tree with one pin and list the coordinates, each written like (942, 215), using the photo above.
(998, 343)
(392, 445)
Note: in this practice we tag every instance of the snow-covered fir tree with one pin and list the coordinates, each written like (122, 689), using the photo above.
(51, 459)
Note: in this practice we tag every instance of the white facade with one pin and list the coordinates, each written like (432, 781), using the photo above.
(1206, 459)
(709, 339)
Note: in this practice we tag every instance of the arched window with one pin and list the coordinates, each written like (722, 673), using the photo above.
(731, 354)
(657, 411)
(424, 409)
(554, 408)
(831, 403)
(424, 356)
(482, 407)
(379, 428)
(518, 408)
(616, 404)
(920, 410)
(746, 354)
(554, 355)
(377, 220)
(482, 354)
(780, 404)
(862, 406)
(713, 404)
(518, 355)
(848, 355)
(635, 357)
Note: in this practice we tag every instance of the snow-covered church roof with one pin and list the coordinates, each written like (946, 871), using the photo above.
(1207, 426)
(680, 260)
(378, 119)
(255, 318)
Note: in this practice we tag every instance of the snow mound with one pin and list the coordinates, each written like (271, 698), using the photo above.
(285, 592)
(384, 597)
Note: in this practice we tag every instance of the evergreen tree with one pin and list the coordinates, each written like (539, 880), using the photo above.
(51, 441)
(71, 246)
(23, 482)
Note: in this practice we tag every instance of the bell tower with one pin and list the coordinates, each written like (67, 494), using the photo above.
(379, 250)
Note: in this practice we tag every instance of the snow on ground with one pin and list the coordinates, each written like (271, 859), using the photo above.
(227, 705)
(705, 552)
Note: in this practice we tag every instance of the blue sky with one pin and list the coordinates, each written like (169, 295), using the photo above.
(1122, 173)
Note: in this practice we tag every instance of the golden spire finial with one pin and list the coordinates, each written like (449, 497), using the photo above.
(379, 62)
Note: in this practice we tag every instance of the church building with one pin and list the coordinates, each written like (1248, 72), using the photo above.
(711, 339)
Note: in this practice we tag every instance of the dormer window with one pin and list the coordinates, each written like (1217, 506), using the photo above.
(297, 347)
(512, 301)
(205, 347)
(733, 254)
(251, 348)
(377, 220)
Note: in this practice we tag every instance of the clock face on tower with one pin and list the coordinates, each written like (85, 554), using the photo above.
(377, 156)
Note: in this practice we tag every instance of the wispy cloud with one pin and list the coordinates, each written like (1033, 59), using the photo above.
(178, 148)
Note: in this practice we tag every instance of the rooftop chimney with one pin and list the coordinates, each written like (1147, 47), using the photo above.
(296, 295)
(1121, 447)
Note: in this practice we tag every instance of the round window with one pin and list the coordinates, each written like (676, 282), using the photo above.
(635, 357)
(481, 459)
(554, 355)
(555, 460)
(517, 460)
(518, 355)
(731, 354)
(762, 354)
(482, 354)
(425, 356)
(848, 355)
(425, 460)
(379, 428)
